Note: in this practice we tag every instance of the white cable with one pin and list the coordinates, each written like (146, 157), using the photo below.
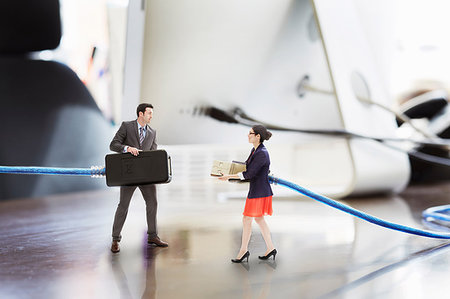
(401, 116)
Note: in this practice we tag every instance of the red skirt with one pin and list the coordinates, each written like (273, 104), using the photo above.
(258, 207)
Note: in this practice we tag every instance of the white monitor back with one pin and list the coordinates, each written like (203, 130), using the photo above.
(252, 55)
(377, 168)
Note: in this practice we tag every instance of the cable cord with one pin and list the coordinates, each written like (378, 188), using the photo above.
(405, 119)
(437, 217)
(401, 116)
(438, 213)
(342, 133)
(94, 171)
(360, 214)
(237, 116)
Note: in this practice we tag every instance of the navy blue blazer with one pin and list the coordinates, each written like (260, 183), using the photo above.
(257, 172)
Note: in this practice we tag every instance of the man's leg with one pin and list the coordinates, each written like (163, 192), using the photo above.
(149, 194)
(126, 192)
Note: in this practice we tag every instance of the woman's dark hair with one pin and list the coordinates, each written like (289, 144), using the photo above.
(142, 107)
(263, 132)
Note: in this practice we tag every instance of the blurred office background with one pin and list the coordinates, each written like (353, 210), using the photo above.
(72, 71)
(185, 56)
(407, 39)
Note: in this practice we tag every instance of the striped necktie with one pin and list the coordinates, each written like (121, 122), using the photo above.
(141, 135)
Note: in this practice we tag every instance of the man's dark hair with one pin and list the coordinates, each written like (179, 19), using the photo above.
(142, 107)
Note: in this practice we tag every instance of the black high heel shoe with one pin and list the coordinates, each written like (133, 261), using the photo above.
(245, 256)
(265, 257)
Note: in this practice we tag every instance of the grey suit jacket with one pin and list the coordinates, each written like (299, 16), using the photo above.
(128, 135)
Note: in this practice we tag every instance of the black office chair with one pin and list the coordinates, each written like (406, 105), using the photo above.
(47, 116)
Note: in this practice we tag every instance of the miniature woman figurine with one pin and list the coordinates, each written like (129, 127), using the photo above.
(259, 199)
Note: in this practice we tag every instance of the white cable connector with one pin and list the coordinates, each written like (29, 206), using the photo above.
(98, 171)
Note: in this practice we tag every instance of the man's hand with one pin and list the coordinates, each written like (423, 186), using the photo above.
(134, 151)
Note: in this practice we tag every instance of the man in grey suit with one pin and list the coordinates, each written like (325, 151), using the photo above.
(132, 137)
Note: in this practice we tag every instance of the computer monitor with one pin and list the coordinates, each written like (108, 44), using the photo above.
(259, 56)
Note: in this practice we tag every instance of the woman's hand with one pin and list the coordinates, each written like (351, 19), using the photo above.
(227, 177)
(224, 178)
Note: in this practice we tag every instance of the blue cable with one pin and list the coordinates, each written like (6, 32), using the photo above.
(437, 218)
(94, 171)
(435, 212)
(439, 213)
(357, 213)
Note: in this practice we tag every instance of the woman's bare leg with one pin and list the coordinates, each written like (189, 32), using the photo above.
(265, 231)
(246, 233)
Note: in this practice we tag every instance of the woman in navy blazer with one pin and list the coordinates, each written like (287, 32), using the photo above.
(259, 198)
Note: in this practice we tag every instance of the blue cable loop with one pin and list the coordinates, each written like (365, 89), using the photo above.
(438, 213)
(357, 213)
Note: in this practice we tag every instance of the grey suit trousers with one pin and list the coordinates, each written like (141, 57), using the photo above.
(126, 192)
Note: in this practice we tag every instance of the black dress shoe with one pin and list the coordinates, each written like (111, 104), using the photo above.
(115, 247)
(265, 257)
(157, 242)
(245, 256)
